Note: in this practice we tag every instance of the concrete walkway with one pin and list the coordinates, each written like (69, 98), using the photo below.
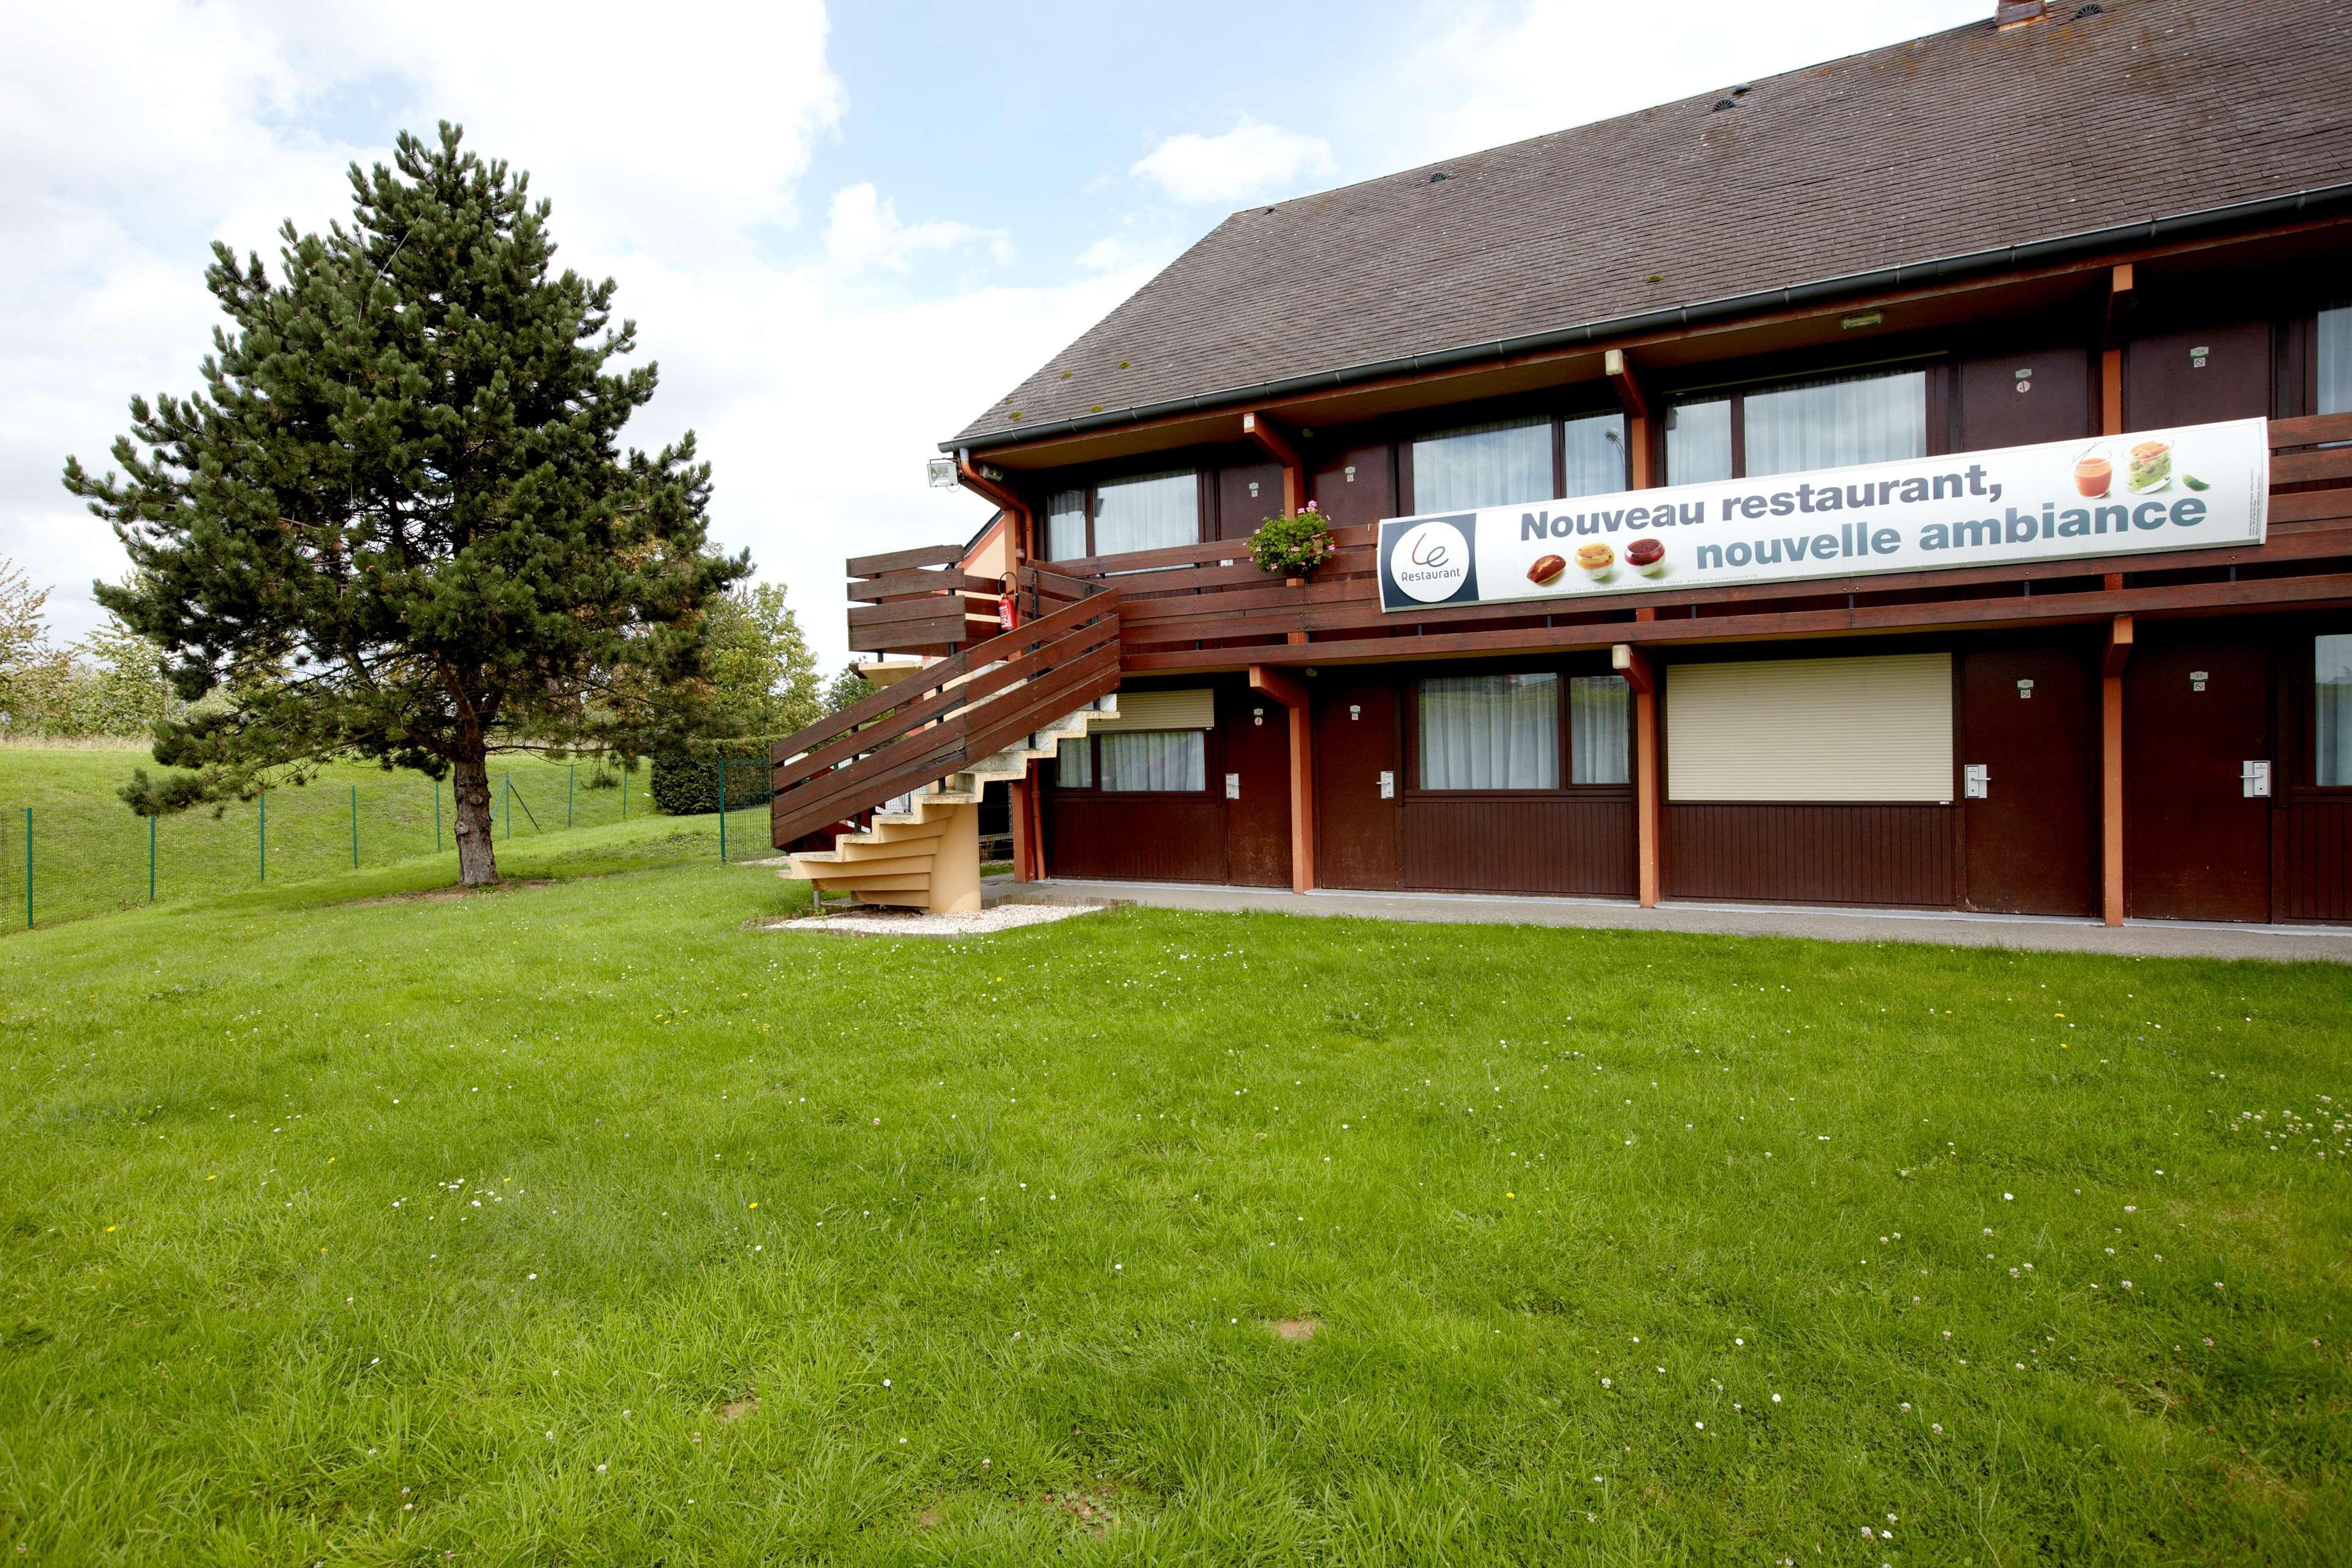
(2148, 939)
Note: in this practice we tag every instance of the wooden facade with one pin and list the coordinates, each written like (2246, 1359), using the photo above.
(2118, 786)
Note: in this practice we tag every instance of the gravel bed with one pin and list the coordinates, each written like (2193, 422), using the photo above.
(918, 923)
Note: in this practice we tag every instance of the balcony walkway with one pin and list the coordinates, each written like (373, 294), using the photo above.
(2040, 933)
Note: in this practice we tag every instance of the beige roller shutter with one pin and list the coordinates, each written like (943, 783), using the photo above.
(1877, 729)
(1192, 709)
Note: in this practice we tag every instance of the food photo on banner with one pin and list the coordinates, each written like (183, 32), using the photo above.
(2188, 488)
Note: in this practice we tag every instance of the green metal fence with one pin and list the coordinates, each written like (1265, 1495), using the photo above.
(77, 850)
(71, 848)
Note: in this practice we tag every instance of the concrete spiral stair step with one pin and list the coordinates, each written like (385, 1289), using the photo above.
(926, 856)
(922, 849)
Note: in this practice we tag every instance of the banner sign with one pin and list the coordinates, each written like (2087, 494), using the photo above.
(2190, 488)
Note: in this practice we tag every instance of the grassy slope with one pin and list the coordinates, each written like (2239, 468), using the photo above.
(994, 1235)
(91, 854)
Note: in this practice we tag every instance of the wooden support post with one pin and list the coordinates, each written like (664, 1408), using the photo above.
(1263, 431)
(1291, 692)
(1017, 795)
(2111, 769)
(1037, 867)
(2112, 332)
(1635, 664)
(1277, 445)
(1640, 467)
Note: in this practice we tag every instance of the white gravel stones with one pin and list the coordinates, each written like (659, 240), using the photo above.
(919, 922)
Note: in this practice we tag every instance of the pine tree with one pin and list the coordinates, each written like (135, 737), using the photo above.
(396, 521)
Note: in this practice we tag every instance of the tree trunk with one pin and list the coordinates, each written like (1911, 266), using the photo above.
(478, 860)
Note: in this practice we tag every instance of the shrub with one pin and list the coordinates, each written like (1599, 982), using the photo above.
(686, 784)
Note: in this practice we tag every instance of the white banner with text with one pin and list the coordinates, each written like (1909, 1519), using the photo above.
(2191, 488)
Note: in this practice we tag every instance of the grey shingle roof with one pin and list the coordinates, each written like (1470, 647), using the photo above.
(1958, 142)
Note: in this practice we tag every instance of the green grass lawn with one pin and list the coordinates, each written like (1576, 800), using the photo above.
(91, 854)
(582, 1223)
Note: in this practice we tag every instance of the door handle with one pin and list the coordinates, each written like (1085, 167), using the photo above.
(2254, 779)
(1976, 780)
(1388, 786)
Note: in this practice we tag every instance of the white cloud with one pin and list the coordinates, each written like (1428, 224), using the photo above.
(1253, 158)
(1477, 75)
(1104, 254)
(816, 387)
(863, 229)
(675, 150)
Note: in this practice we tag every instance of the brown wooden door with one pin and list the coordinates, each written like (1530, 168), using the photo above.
(1239, 511)
(2195, 848)
(2054, 404)
(2166, 382)
(1355, 743)
(1257, 804)
(1351, 485)
(2029, 717)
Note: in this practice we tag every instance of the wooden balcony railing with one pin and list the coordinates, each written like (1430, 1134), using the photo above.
(1204, 606)
(1197, 606)
(970, 705)
(920, 602)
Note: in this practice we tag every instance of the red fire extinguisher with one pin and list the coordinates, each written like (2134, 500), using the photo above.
(1007, 617)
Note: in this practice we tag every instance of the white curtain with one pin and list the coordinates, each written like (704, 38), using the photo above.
(1150, 511)
(1490, 731)
(1483, 465)
(1065, 525)
(2331, 724)
(2335, 361)
(1595, 447)
(1600, 709)
(1155, 760)
(1837, 421)
(1074, 765)
(1698, 442)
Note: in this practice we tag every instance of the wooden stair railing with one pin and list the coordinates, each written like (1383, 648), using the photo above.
(967, 707)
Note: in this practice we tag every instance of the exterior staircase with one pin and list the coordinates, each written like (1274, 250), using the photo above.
(919, 755)
(922, 850)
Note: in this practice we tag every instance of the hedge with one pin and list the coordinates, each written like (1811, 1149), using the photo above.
(686, 784)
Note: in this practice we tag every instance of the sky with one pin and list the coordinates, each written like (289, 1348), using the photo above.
(842, 232)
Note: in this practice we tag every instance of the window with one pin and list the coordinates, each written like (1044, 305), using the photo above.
(1836, 421)
(1599, 731)
(1698, 442)
(1483, 465)
(1490, 731)
(2331, 719)
(1148, 511)
(1074, 765)
(2335, 361)
(1065, 525)
(1594, 450)
(1829, 422)
(1155, 760)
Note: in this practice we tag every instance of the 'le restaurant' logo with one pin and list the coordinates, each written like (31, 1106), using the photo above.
(1430, 561)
